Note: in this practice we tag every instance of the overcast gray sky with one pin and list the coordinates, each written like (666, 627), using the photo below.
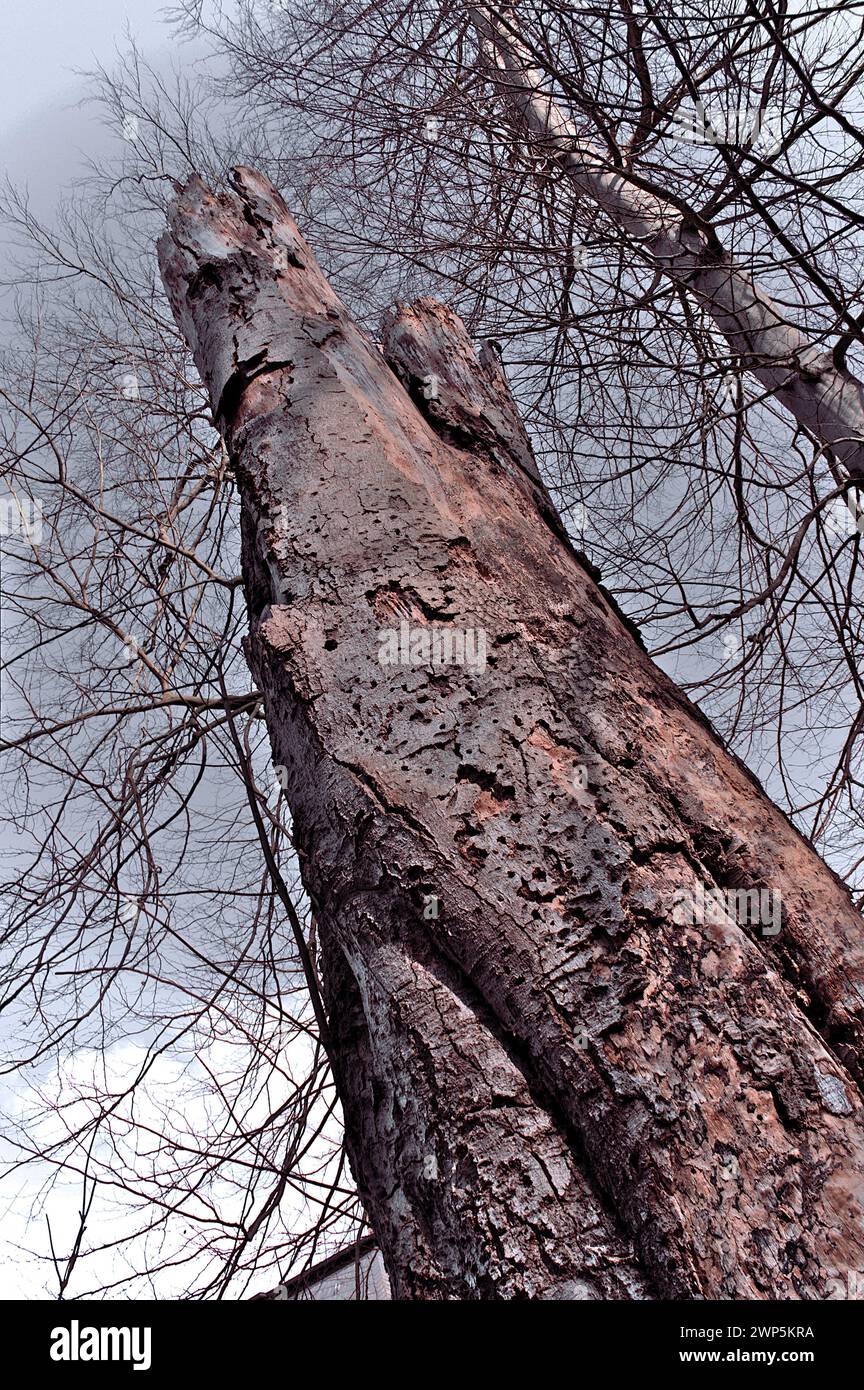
(43, 42)
(44, 132)
(47, 44)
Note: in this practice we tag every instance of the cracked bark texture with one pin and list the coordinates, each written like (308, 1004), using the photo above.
(551, 1089)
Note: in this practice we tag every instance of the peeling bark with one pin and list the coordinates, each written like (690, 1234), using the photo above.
(552, 1088)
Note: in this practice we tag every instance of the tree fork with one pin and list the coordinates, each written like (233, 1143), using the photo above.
(552, 1088)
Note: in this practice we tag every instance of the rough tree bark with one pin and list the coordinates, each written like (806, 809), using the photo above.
(552, 1089)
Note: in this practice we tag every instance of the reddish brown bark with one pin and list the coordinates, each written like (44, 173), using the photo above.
(552, 1088)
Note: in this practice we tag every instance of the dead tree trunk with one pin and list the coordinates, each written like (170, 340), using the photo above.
(556, 1083)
